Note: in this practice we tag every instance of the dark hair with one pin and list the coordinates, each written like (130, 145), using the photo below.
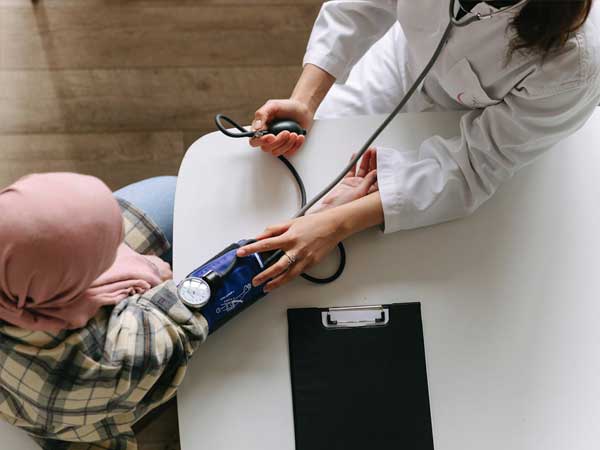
(545, 25)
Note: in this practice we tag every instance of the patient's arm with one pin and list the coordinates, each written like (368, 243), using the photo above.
(357, 183)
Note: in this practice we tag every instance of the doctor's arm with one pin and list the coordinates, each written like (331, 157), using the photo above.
(446, 179)
(442, 180)
(310, 238)
(343, 32)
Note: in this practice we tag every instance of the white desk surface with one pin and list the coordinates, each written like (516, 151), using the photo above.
(14, 439)
(510, 296)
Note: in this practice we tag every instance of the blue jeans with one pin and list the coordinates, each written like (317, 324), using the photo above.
(156, 198)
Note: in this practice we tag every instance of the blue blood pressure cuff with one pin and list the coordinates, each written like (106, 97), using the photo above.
(222, 287)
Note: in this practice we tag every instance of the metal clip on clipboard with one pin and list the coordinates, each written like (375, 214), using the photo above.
(355, 316)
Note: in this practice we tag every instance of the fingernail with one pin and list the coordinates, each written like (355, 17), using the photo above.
(267, 289)
(255, 282)
(256, 124)
(241, 252)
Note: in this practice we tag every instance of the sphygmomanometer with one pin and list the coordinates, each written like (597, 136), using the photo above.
(224, 283)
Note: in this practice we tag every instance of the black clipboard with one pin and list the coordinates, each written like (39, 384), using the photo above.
(359, 379)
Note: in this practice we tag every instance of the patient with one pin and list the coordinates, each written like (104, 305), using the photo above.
(92, 333)
(91, 337)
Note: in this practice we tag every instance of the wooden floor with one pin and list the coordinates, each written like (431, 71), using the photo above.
(120, 88)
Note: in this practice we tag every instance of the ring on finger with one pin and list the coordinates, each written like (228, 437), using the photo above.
(291, 259)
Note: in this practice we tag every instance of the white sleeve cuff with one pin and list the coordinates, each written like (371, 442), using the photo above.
(392, 197)
(330, 63)
(422, 187)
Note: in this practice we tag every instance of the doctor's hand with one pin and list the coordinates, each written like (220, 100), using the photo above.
(308, 239)
(305, 241)
(284, 143)
(357, 183)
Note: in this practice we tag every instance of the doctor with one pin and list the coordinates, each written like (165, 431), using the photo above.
(527, 73)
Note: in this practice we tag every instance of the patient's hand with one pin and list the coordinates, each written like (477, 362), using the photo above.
(357, 183)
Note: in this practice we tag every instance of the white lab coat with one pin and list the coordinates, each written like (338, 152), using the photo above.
(519, 108)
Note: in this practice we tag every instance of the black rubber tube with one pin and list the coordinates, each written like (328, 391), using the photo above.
(278, 254)
(219, 118)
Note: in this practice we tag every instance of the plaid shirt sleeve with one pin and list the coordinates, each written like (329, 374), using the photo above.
(141, 233)
(91, 385)
(84, 389)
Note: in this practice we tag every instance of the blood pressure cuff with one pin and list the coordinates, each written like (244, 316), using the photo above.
(236, 292)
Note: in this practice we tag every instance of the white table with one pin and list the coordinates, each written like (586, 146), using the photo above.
(14, 439)
(510, 296)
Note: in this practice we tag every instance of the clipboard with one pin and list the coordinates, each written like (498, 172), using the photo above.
(359, 378)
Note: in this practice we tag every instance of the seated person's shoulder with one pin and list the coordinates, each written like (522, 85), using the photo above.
(581, 51)
(574, 66)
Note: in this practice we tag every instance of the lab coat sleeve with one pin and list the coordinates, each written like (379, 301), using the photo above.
(345, 30)
(446, 179)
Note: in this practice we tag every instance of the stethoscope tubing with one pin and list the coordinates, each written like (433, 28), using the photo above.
(383, 125)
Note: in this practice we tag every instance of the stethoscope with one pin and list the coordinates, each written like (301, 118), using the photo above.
(279, 126)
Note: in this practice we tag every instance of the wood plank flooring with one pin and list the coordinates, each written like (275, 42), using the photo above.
(119, 89)
(91, 85)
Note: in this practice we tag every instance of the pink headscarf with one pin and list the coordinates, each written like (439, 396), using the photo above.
(61, 253)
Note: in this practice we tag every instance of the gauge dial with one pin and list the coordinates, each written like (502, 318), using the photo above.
(194, 292)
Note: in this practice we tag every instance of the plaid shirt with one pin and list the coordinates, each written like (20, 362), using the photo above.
(84, 389)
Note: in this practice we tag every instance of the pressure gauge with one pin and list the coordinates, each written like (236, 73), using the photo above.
(194, 292)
